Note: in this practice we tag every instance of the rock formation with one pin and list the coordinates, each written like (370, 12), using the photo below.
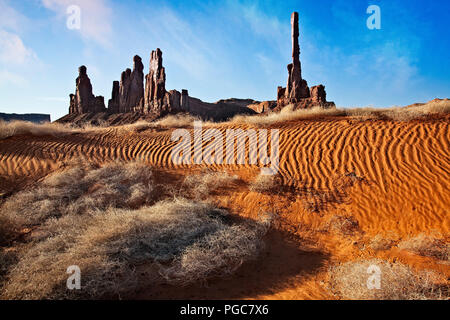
(155, 85)
(128, 95)
(157, 100)
(114, 102)
(83, 101)
(131, 100)
(31, 117)
(184, 101)
(297, 91)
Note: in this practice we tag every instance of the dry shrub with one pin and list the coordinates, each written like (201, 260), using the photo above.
(428, 246)
(7, 259)
(381, 242)
(176, 121)
(81, 190)
(8, 229)
(200, 186)
(180, 120)
(366, 113)
(398, 282)
(401, 113)
(13, 128)
(118, 250)
(93, 218)
(344, 225)
(263, 183)
(286, 114)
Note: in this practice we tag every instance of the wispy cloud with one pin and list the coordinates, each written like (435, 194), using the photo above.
(15, 56)
(11, 19)
(270, 28)
(96, 18)
(183, 45)
(13, 51)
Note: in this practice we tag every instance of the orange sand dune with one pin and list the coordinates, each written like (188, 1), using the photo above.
(391, 178)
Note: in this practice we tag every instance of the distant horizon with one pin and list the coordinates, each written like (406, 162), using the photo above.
(222, 50)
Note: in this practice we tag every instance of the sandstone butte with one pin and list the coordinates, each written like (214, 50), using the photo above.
(138, 96)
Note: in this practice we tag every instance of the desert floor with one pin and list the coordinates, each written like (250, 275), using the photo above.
(347, 190)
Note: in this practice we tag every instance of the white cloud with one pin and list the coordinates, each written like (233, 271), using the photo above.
(275, 32)
(96, 18)
(180, 42)
(13, 50)
(10, 18)
(14, 54)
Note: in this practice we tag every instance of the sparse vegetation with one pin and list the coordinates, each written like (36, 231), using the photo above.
(394, 113)
(380, 242)
(428, 246)
(398, 282)
(175, 241)
(9, 129)
(13, 128)
(263, 183)
(81, 190)
(344, 225)
(200, 186)
(7, 229)
(286, 114)
(104, 220)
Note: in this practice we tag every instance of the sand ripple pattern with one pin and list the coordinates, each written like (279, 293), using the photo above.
(405, 166)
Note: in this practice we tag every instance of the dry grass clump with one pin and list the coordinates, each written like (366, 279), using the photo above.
(427, 246)
(7, 259)
(81, 190)
(286, 114)
(13, 128)
(401, 113)
(263, 183)
(104, 220)
(380, 242)
(397, 282)
(120, 250)
(181, 120)
(176, 121)
(368, 113)
(7, 229)
(344, 225)
(200, 186)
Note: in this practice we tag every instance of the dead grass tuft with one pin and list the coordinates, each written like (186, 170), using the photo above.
(427, 246)
(120, 250)
(366, 113)
(263, 183)
(13, 128)
(381, 242)
(344, 225)
(8, 229)
(81, 190)
(398, 282)
(286, 114)
(201, 186)
(182, 120)
(104, 220)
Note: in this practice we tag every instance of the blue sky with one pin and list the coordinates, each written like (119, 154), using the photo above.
(223, 49)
